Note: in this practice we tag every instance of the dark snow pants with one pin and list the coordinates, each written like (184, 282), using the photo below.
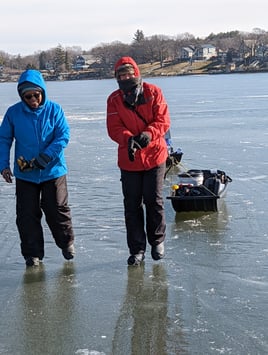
(144, 188)
(50, 197)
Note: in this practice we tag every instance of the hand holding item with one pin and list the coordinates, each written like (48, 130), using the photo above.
(25, 165)
(41, 161)
(7, 175)
(137, 142)
(142, 139)
(131, 149)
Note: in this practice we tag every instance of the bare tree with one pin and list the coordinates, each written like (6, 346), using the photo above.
(157, 48)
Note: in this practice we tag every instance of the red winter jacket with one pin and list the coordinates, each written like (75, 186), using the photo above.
(122, 123)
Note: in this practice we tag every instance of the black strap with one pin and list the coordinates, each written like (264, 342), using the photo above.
(140, 116)
(133, 108)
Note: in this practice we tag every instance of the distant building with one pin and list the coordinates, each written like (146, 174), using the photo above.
(205, 52)
(247, 48)
(49, 65)
(83, 62)
(187, 53)
(262, 51)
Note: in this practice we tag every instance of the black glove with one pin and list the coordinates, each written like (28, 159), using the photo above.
(41, 161)
(25, 165)
(142, 140)
(131, 149)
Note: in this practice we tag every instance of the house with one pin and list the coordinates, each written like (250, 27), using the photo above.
(187, 53)
(205, 52)
(49, 65)
(262, 51)
(247, 48)
(83, 62)
(80, 63)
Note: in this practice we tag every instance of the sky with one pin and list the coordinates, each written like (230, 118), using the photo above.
(27, 27)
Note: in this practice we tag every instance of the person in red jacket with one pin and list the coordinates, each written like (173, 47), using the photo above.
(137, 120)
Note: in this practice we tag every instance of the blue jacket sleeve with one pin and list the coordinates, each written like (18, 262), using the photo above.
(6, 139)
(61, 136)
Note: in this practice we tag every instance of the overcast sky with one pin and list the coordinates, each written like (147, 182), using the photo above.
(29, 26)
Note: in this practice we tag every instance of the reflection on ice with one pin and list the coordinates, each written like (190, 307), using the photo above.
(212, 223)
(144, 325)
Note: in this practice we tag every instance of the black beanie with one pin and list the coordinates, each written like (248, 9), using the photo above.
(28, 86)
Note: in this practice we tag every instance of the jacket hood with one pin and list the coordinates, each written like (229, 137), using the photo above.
(127, 60)
(36, 78)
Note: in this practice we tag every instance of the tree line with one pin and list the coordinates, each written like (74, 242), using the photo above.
(156, 48)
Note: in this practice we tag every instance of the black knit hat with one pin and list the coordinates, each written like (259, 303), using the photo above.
(28, 86)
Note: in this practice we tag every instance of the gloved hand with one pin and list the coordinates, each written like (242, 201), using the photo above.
(41, 161)
(25, 165)
(132, 147)
(7, 175)
(142, 139)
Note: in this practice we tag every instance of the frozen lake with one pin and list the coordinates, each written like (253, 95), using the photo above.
(209, 294)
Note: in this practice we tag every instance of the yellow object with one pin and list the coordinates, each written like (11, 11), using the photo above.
(175, 187)
(21, 162)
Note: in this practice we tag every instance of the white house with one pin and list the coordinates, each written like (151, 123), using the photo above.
(205, 52)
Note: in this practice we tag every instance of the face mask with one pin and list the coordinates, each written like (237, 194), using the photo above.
(127, 85)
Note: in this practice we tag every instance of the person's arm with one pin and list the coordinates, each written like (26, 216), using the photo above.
(6, 139)
(161, 118)
(117, 131)
(61, 137)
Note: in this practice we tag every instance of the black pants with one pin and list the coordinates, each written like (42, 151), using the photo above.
(144, 188)
(51, 197)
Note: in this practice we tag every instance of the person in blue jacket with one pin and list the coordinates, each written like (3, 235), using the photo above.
(40, 131)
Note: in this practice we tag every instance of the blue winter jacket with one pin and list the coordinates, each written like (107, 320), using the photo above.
(35, 131)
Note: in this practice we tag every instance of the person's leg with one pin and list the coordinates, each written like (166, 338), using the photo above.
(153, 200)
(28, 219)
(54, 202)
(133, 210)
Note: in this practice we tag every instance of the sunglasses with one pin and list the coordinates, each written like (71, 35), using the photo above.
(29, 96)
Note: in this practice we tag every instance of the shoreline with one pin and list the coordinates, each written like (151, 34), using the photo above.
(147, 70)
